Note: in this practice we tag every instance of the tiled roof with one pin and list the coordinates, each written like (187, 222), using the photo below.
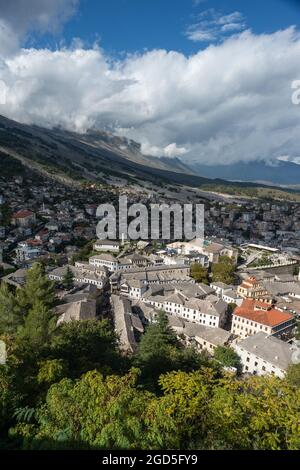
(22, 214)
(270, 317)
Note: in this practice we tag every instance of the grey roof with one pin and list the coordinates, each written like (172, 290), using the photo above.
(221, 285)
(104, 257)
(107, 243)
(207, 307)
(282, 288)
(123, 323)
(215, 336)
(269, 348)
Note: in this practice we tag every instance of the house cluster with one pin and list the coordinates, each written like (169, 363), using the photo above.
(40, 218)
(239, 220)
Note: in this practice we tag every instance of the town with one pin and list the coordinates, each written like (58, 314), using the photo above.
(238, 288)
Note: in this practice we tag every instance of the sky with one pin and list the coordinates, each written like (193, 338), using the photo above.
(208, 81)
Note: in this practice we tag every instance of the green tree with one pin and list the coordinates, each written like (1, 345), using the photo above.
(35, 333)
(199, 273)
(10, 315)
(227, 357)
(293, 375)
(37, 288)
(223, 271)
(160, 351)
(68, 279)
(87, 345)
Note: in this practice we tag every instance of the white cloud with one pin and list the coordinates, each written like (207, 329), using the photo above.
(212, 25)
(42, 15)
(19, 17)
(228, 102)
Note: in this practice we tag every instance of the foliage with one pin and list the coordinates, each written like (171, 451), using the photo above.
(86, 345)
(223, 271)
(37, 288)
(293, 375)
(68, 279)
(160, 351)
(194, 411)
(10, 316)
(227, 357)
(199, 273)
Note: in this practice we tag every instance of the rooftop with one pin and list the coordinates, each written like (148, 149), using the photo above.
(271, 317)
(269, 348)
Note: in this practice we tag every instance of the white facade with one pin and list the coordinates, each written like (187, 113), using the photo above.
(265, 355)
(107, 246)
(195, 313)
(110, 263)
(244, 327)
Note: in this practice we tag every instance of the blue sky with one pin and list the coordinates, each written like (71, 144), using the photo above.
(135, 25)
(206, 81)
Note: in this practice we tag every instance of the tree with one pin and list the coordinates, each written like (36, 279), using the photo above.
(223, 271)
(35, 333)
(10, 316)
(293, 375)
(68, 279)
(87, 345)
(160, 351)
(199, 273)
(227, 357)
(37, 288)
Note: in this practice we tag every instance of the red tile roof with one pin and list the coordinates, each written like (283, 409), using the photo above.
(22, 214)
(270, 317)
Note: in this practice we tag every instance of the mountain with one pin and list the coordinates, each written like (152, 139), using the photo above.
(102, 158)
(280, 173)
(95, 156)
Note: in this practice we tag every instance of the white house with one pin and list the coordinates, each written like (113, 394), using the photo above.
(107, 260)
(262, 354)
(133, 288)
(107, 245)
(209, 312)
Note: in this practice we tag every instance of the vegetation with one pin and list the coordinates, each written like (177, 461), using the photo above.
(228, 357)
(68, 387)
(245, 190)
(199, 273)
(68, 279)
(223, 271)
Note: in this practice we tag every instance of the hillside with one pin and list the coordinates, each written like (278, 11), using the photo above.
(280, 173)
(103, 158)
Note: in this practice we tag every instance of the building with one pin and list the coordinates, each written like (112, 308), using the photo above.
(107, 245)
(24, 218)
(104, 260)
(126, 324)
(83, 274)
(205, 338)
(252, 289)
(262, 354)
(77, 311)
(133, 288)
(255, 316)
(209, 312)
(28, 250)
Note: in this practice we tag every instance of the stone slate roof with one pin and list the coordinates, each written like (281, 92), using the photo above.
(269, 348)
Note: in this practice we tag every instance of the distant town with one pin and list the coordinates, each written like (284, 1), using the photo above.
(237, 288)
